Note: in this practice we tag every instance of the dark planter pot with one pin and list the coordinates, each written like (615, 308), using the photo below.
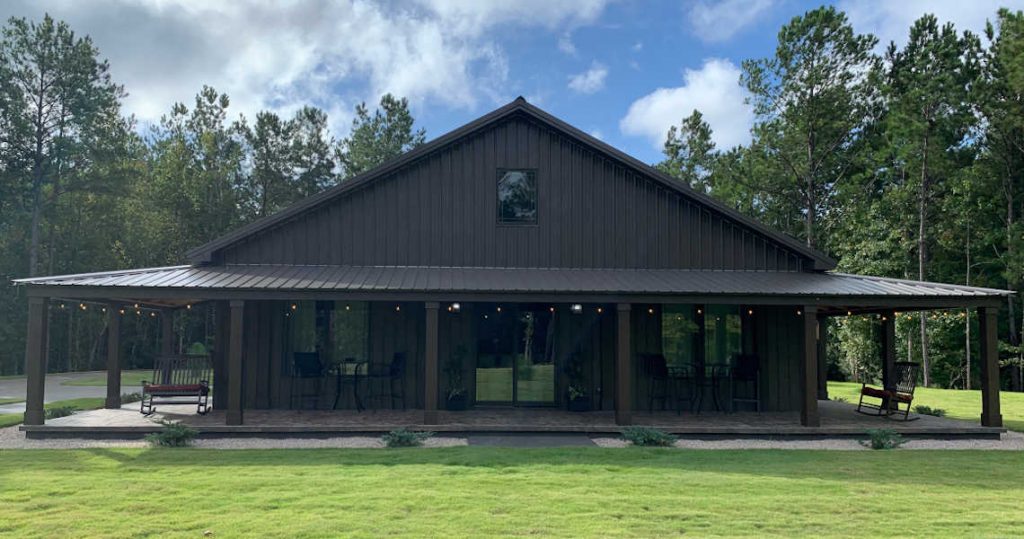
(580, 404)
(458, 403)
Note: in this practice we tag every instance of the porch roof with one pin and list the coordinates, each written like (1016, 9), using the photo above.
(199, 281)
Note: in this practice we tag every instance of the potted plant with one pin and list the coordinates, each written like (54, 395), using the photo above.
(456, 396)
(577, 397)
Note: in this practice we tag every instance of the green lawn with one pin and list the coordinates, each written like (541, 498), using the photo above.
(485, 491)
(129, 379)
(959, 404)
(88, 403)
(10, 400)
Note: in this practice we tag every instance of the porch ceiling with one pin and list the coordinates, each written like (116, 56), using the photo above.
(270, 281)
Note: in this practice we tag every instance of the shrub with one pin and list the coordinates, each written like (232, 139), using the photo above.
(172, 435)
(928, 410)
(128, 398)
(884, 439)
(405, 438)
(59, 411)
(648, 436)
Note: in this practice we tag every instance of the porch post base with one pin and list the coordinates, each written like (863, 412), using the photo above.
(430, 417)
(34, 417)
(993, 420)
(234, 417)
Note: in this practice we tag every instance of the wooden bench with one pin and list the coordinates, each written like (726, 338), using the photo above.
(178, 380)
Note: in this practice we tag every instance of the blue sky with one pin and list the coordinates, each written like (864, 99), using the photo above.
(621, 70)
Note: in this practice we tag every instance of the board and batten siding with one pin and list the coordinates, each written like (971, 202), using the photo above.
(441, 210)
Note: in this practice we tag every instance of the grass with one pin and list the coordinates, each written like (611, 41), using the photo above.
(128, 379)
(958, 403)
(495, 384)
(86, 403)
(10, 400)
(485, 491)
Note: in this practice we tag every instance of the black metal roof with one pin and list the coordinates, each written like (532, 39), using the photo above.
(191, 281)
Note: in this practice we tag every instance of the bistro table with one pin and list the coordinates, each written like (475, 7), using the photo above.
(348, 372)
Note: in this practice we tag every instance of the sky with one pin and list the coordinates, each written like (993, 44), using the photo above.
(623, 71)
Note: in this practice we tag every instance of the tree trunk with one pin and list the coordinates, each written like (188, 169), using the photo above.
(922, 256)
(967, 316)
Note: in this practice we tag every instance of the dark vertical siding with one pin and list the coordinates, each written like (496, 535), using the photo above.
(441, 210)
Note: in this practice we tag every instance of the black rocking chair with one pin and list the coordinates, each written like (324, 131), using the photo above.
(306, 367)
(900, 392)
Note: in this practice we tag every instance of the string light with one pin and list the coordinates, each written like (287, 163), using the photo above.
(799, 313)
(600, 310)
(398, 308)
(750, 312)
(189, 306)
(294, 307)
(650, 310)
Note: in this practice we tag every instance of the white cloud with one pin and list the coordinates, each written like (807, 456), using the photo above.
(280, 56)
(590, 81)
(891, 21)
(566, 45)
(597, 133)
(718, 21)
(713, 89)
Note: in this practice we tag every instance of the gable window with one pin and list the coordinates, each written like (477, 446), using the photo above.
(517, 196)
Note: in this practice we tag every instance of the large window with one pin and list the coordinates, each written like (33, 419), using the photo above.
(691, 335)
(723, 337)
(335, 330)
(517, 196)
(680, 335)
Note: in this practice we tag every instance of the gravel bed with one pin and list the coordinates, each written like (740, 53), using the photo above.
(12, 438)
(1010, 441)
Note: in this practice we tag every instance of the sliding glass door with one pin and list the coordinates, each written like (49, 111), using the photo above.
(515, 354)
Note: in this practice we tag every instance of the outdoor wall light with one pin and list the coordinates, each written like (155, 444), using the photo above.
(189, 306)
(552, 309)
(700, 311)
(348, 307)
(600, 310)
(799, 313)
(499, 309)
(650, 310)
(454, 307)
(750, 312)
(398, 308)
(576, 308)
(294, 306)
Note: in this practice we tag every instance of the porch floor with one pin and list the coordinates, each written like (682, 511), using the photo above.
(837, 420)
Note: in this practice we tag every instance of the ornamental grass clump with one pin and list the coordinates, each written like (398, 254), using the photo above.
(60, 411)
(173, 434)
(405, 438)
(884, 439)
(928, 410)
(648, 437)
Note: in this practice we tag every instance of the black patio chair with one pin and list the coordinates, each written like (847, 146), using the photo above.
(388, 384)
(655, 368)
(746, 373)
(307, 370)
(901, 392)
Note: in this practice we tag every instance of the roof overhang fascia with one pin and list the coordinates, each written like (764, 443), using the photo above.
(206, 294)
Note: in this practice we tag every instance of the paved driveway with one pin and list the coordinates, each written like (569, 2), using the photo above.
(54, 390)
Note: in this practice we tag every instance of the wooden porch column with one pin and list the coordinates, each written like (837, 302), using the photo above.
(822, 357)
(35, 360)
(430, 388)
(167, 332)
(809, 370)
(888, 342)
(235, 343)
(623, 367)
(113, 401)
(990, 416)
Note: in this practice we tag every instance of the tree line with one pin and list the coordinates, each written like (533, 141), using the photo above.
(902, 161)
(906, 163)
(85, 187)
